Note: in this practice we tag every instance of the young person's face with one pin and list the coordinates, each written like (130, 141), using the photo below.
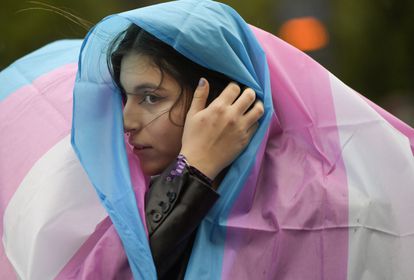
(150, 97)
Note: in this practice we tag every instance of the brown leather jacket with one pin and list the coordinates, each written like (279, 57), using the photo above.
(174, 208)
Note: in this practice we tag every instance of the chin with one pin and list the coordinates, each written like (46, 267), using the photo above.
(152, 169)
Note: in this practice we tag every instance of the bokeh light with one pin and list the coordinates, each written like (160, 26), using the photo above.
(306, 33)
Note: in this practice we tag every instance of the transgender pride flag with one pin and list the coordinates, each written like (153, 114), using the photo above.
(324, 190)
(44, 191)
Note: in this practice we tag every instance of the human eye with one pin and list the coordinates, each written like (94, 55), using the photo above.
(150, 99)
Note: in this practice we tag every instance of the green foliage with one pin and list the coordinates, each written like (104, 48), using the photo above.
(373, 45)
(28, 25)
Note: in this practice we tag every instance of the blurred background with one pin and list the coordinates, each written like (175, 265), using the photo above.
(368, 44)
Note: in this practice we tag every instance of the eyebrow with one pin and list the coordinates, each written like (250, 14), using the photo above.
(138, 89)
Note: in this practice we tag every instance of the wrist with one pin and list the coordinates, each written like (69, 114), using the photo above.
(202, 166)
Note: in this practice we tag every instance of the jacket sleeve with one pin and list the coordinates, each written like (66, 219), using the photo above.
(176, 204)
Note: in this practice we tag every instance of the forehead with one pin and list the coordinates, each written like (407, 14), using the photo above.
(138, 69)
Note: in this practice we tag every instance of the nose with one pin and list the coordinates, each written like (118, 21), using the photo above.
(132, 121)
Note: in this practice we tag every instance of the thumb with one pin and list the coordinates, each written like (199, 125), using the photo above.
(200, 97)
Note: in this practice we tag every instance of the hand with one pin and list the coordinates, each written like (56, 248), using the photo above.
(214, 136)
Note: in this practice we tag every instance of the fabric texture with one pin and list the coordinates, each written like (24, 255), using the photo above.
(174, 209)
(323, 191)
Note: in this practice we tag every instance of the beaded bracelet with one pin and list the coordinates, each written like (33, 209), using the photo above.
(179, 168)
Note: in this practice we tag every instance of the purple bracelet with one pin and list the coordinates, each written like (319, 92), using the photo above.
(179, 168)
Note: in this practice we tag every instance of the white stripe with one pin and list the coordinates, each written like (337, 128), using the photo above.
(380, 172)
(51, 214)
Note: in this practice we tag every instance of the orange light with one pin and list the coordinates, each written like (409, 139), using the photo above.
(306, 33)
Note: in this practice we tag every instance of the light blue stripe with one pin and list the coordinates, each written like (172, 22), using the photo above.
(23, 71)
(97, 138)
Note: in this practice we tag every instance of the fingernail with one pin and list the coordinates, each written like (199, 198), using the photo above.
(202, 82)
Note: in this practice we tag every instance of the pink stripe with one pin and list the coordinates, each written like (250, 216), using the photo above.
(100, 257)
(139, 182)
(291, 219)
(6, 269)
(32, 120)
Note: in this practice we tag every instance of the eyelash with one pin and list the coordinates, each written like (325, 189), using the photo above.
(146, 99)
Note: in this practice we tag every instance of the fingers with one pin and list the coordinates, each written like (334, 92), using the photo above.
(200, 97)
(241, 103)
(254, 114)
(246, 99)
(229, 94)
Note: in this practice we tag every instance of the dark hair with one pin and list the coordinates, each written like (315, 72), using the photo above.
(187, 73)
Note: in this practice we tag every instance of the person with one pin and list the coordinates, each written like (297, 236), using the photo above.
(145, 175)
(186, 123)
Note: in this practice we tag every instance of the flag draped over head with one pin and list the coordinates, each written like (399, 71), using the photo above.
(323, 191)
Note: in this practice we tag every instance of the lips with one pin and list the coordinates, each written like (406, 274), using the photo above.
(141, 147)
(144, 152)
(138, 147)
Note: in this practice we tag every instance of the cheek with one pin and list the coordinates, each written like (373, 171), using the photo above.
(179, 111)
(173, 130)
(168, 136)
(173, 139)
